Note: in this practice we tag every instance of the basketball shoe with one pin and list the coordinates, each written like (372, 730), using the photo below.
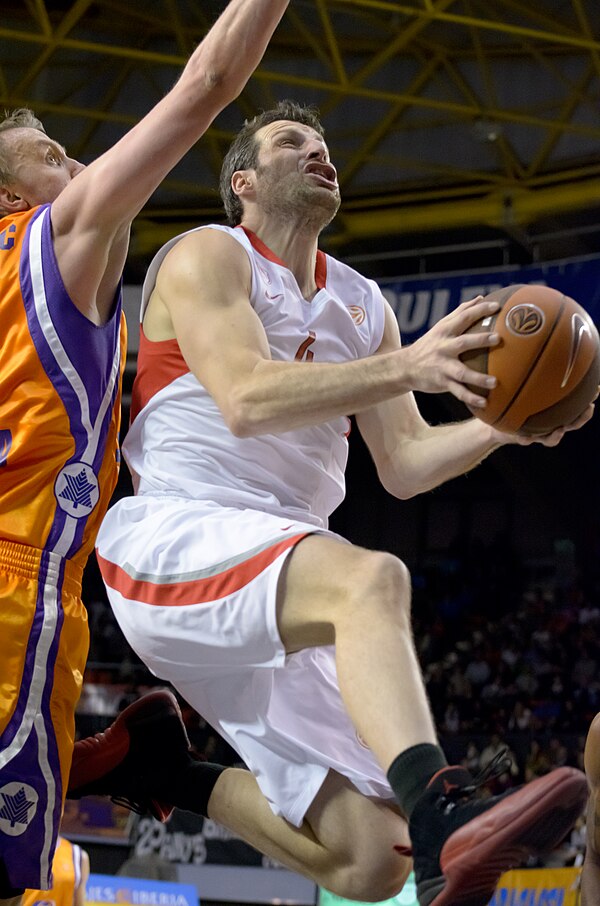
(462, 843)
(130, 760)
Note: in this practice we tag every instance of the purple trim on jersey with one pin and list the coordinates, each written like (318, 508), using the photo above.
(90, 349)
(24, 854)
(53, 754)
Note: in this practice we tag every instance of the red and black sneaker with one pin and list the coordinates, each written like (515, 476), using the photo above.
(462, 844)
(129, 760)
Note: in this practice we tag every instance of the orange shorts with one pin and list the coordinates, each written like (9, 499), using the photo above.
(44, 641)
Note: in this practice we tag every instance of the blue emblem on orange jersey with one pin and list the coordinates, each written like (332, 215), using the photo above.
(5, 445)
(76, 489)
(7, 238)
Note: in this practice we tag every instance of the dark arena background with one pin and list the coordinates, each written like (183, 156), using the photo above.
(467, 140)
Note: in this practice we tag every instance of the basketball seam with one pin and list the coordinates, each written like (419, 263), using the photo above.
(532, 366)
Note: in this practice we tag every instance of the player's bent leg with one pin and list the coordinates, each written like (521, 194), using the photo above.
(345, 844)
(360, 599)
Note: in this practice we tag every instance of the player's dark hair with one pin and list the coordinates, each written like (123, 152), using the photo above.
(243, 151)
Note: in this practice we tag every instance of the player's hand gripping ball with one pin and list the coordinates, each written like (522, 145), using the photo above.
(547, 362)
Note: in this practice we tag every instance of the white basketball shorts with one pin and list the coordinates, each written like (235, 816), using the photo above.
(193, 586)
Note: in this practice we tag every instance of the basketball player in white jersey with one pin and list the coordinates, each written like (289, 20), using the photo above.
(293, 643)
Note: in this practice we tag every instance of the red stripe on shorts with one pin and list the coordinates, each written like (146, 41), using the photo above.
(196, 591)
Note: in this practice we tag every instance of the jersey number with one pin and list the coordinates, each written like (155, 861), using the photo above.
(304, 354)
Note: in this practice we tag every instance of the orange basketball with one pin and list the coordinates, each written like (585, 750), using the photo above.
(547, 362)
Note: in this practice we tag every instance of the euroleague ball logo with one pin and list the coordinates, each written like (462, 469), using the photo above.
(524, 319)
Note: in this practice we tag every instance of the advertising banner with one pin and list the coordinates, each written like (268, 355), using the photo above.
(538, 887)
(521, 887)
(419, 302)
(105, 890)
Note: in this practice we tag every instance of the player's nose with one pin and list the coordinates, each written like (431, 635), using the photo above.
(75, 167)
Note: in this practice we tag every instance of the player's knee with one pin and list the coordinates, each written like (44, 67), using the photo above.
(383, 583)
(372, 880)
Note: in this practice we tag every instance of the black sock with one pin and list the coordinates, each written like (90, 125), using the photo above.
(412, 770)
(190, 788)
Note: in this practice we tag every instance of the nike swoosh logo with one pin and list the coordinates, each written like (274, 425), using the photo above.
(579, 327)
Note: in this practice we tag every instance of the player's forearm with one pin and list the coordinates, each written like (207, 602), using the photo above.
(230, 52)
(437, 455)
(282, 396)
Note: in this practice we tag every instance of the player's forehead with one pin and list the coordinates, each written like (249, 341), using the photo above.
(26, 139)
(266, 135)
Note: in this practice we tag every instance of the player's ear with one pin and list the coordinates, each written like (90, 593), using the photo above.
(11, 202)
(242, 183)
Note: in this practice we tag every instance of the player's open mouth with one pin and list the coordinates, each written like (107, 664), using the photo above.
(324, 173)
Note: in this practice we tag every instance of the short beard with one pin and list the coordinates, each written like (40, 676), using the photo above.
(310, 208)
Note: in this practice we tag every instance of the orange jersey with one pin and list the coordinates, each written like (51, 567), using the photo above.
(60, 378)
(67, 876)
(59, 399)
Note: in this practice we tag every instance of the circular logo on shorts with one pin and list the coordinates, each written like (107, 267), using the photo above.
(76, 489)
(18, 805)
(525, 319)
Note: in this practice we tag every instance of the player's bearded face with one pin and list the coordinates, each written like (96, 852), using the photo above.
(291, 193)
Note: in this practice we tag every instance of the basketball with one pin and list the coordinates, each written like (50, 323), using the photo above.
(547, 362)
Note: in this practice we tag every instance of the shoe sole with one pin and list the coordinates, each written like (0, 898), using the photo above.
(149, 709)
(534, 819)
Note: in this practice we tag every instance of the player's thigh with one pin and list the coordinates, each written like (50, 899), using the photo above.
(360, 835)
(325, 580)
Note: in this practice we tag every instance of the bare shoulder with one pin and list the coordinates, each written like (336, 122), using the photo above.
(208, 267)
(207, 248)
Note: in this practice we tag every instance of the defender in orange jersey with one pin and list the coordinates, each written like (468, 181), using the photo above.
(64, 232)
(71, 869)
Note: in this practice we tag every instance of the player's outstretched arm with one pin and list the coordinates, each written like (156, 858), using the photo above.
(590, 876)
(101, 201)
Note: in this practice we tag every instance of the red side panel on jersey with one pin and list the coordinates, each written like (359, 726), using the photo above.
(159, 364)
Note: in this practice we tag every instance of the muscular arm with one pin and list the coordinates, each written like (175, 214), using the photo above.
(202, 295)
(91, 217)
(410, 455)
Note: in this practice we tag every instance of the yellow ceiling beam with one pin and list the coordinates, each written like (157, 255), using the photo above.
(500, 209)
(506, 28)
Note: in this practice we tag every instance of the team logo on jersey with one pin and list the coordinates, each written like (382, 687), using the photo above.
(18, 805)
(357, 314)
(76, 489)
(7, 238)
(5, 445)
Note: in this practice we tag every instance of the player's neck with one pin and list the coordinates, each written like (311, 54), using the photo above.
(295, 248)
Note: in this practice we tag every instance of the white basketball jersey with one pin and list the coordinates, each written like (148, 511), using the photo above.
(178, 443)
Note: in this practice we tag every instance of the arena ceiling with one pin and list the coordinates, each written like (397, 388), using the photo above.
(470, 124)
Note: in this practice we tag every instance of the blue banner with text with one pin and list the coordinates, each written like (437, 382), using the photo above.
(419, 302)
